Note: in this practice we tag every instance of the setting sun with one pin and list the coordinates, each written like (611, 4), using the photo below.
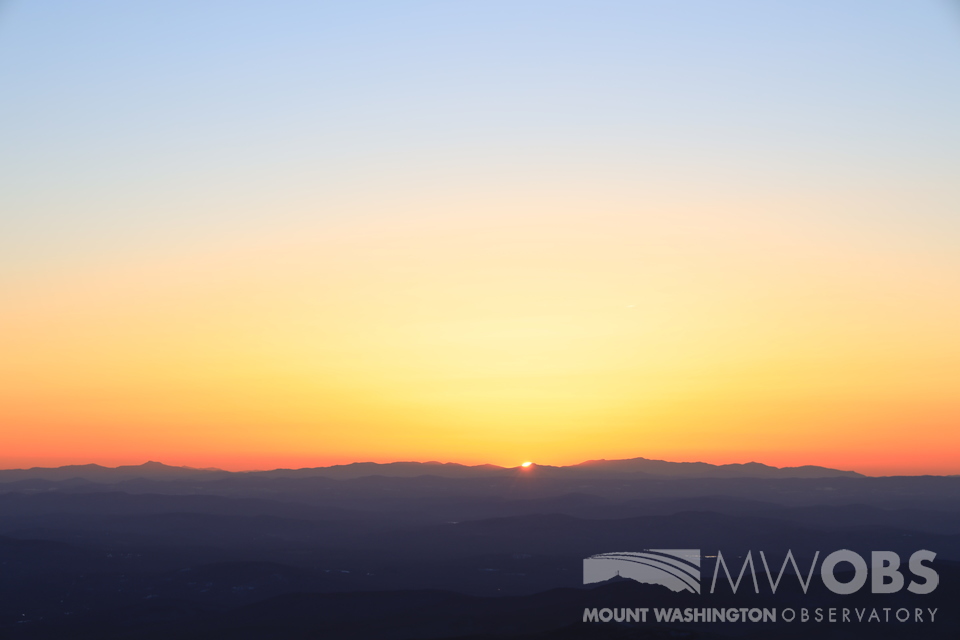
(469, 278)
(285, 287)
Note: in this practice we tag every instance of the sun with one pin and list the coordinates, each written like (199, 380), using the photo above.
(526, 464)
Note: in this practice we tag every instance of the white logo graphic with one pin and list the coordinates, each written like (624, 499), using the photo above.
(675, 569)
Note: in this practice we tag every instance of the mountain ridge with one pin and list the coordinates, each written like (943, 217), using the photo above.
(630, 467)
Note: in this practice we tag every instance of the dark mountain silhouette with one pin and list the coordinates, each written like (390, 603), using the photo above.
(98, 473)
(704, 470)
(154, 551)
(592, 468)
(391, 470)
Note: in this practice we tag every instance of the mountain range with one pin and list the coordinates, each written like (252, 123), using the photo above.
(630, 468)
(407, 550)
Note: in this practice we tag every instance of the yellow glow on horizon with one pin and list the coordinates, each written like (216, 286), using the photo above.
(679, 335)
(526, 464)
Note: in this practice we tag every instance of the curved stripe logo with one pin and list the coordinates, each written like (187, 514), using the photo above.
(675, 569)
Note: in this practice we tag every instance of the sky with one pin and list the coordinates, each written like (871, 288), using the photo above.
(252, 235)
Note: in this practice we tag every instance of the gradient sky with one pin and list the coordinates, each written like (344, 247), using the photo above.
(251, 235)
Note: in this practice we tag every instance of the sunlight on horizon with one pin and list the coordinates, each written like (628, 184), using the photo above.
(470, 231)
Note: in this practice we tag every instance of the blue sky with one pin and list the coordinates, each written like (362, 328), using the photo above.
(152, 121)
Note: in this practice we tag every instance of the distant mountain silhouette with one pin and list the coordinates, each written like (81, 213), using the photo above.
(704, 470)
(633, 467)
(98, 473)
(392, 470)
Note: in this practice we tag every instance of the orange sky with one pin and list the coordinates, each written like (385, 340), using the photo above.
(480, 232)
(680, 330)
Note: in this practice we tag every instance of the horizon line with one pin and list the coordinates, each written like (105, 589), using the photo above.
(459, 464)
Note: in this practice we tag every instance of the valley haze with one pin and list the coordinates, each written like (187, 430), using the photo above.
(432, 550)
